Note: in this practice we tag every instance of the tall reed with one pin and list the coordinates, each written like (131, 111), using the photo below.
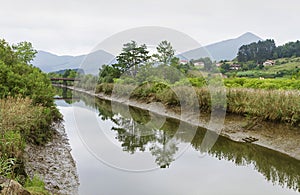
(270, 105)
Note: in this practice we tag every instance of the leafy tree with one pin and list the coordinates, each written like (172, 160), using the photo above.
(7, 55)
(259, 52)
(288, 50)
(134, 61)
(108, 73)
(66, 73)
(131, 58)
(208, 64)
(225, 67)
(24, 52)
(165, 52)
(18, 77)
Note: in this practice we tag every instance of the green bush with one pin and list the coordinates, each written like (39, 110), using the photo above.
(36, 186)
(21, 122)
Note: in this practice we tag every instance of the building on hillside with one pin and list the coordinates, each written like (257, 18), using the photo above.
(184, 61)
(199, 64)
(235, 67)
(219, 64)
(269, 63)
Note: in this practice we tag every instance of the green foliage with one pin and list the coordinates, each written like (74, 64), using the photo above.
(283, 84)
(288, 50)
(17, 77)
(197, 82)
(20, 116)
(135, 62)
(208, 64)
(24, 52)
(36, 186)
(7, 166)
(131, 57)
(105, 88)
(182, 67)
(225, 67)
(165, 52)
(20, 122)
(27, 108)
(258, 52)
(149, 89)
(108, 73)
(252, 56)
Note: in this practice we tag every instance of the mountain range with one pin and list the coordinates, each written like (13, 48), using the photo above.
(49, 62)
(224, 50)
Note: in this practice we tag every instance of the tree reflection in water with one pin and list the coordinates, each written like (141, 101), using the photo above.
(162, 142)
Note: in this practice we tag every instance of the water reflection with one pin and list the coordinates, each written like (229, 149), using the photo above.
(163, 142)
(63, 93)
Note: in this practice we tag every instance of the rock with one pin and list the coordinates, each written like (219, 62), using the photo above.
(11, 187)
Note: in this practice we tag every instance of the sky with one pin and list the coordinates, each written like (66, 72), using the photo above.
(73, 27)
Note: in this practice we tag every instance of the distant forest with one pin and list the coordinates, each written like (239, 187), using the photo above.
(263, 50)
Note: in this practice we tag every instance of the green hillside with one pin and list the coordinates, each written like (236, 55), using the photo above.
(282, 68)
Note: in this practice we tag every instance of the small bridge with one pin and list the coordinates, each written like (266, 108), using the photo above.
(64, 80)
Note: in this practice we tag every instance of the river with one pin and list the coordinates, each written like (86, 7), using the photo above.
(125, 150)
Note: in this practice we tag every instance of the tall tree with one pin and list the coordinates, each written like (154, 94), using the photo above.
(24, 51)
(165, 52)
(132, 57)
(259, 52)
(288, 50)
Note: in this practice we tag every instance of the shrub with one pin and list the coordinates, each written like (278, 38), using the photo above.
(36, 186)
(21, 122)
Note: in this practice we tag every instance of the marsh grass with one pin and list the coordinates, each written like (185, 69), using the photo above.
(269, 105)
(272, 105)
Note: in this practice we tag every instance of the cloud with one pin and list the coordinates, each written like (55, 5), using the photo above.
(72, 27)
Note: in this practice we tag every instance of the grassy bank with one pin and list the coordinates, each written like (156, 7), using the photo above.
(27, 109)
(21, 123)
(269, 105)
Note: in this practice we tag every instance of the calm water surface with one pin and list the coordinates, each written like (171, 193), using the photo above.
(121, 150)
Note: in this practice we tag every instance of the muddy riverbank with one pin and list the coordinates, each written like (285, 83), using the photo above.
(54, 164)
(276, 136)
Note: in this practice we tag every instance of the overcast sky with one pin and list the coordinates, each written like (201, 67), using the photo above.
(76, 26)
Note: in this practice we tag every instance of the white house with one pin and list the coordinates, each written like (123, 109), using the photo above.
(269, 63)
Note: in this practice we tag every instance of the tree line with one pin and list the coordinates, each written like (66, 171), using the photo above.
(135, 62)
(263, 50)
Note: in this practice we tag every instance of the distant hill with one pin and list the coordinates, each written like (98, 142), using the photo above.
(224, 50)
(49, 62)
(78, 70)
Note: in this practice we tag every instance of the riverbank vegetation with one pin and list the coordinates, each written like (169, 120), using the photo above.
(270, 105)
(161, 78)
(27, 109)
